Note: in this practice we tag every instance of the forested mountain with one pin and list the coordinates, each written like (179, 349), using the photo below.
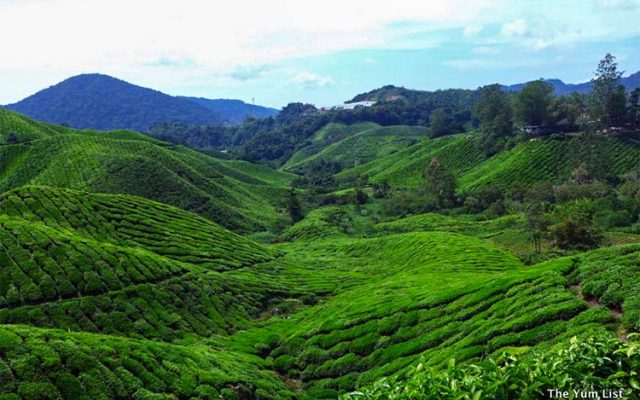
(560, 88)
(234, 111)
(102, 102)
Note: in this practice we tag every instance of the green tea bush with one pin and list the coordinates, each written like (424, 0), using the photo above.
(586, 363)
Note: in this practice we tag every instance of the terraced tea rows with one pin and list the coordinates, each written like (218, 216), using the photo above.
(156, 227)
(331, 133)
(40, 264)
(51, 364)
(553, 161)
(365, 146)
(77, 261)
(528, 162)
(450, 296)
(406, 167)
(137, 168)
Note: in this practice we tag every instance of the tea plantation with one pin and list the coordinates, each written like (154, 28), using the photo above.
(128, 269)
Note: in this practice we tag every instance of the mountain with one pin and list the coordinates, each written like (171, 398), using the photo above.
(102, 102)
(233, 111)
(630, 82)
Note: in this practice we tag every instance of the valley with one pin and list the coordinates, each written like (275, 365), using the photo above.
(327, 254)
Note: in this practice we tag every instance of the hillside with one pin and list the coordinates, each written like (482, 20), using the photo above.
(120, 277)
(442, 98)
(152, 307)
(131, 163)
(102, 102)
(528, 162)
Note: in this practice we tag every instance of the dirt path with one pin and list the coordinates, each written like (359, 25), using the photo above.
(593, 302)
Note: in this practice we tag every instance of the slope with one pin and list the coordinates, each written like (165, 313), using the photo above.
(401, 298)
(363, 146)
(406, 167)
(238, 196)
(550, 159)
(330, 133)
(131, 285)
(123, 265)
(553, 160)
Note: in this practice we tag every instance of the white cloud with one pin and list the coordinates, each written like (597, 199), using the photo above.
(515, 28)
(310, 80)
(471, 31)
(168, 44)
(621, 4)
(97, 34)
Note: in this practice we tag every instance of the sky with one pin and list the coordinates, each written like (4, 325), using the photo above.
(322, 52)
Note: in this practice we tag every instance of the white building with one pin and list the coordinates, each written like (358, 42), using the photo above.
(351, 106)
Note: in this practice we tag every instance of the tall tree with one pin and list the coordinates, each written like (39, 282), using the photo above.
(531, 104)
(441, 182)
(495, 114)
(608, 98)
(438, 123)
(294, 208)
(537, 224)
(634, 107)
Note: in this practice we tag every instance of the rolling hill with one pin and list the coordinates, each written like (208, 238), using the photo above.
(97, 101)
(131, 163)
(528, 162)
(127, 271)
(364, 144)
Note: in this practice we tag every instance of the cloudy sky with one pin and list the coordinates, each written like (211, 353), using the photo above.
(322, 52)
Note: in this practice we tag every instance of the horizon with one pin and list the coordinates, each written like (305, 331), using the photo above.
(282, 52)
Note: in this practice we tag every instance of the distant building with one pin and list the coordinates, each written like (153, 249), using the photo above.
(354, 105)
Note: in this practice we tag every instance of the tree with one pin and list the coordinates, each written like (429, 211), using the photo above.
(607, 103)
(293, 206)
(438, 123)
(633, 112)
(537, 224)
(576, 229)
(495, 114)
(493, 110)
(441, 182)
(567, 110)
(531, 105)
(12, 138)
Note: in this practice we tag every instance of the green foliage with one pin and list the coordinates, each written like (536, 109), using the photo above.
(608, 100)
(576, 229)
(495, 114)
(117, 162)
(52, 364)
(585, 364)
(531, 105)
(441, 182)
